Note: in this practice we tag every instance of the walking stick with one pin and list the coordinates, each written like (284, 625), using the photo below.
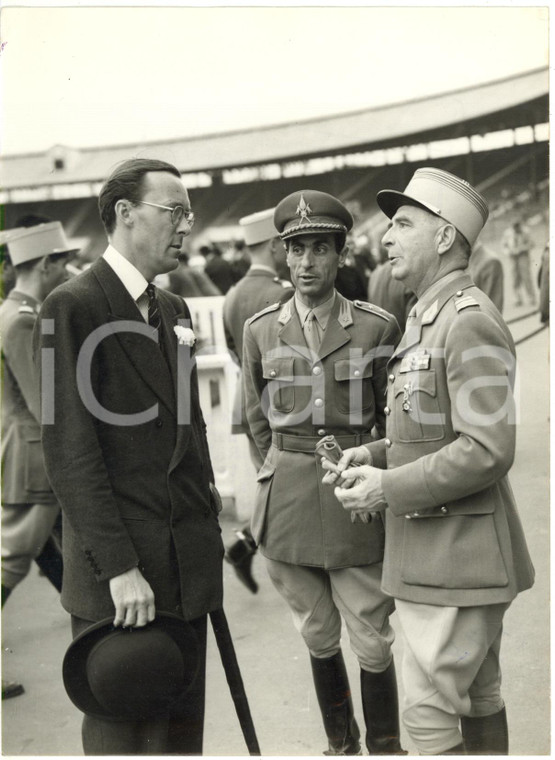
(234, 679)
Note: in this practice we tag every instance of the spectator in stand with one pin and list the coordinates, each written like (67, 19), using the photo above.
(189, 282)
(517, 244)
(239, 259)
(392, 295)
(217, 268)
(349, 282)
(364, 261)
(487, 273)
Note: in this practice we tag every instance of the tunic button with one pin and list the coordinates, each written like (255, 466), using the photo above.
(444, 510)
(416, 514)
(318, 402)
(387, 410)
(321, 432)
(273, 373)
(391, 378)
(317, 370)
(387, 443)
(408, 517)
(459, 293)
(356, 373)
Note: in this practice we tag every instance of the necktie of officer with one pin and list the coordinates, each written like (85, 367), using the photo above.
(310, 331)
(154, 318)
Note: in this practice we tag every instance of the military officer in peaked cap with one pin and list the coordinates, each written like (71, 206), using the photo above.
(455, 554)
(316, 366)
(29, 508)
(259, 288)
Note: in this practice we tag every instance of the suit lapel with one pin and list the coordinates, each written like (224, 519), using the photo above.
(143, 353)
(182, 366)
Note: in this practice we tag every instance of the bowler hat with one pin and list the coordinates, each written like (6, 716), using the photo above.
(444, 195)
(306, 212)
(131, 673)
(30, 243)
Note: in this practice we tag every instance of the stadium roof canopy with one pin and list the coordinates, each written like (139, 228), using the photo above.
(503, 104)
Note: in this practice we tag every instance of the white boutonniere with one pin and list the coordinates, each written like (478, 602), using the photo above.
(185, 336)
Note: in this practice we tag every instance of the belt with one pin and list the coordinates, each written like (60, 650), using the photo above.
(306, 443)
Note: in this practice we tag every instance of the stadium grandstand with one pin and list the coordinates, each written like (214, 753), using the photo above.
(495, 135)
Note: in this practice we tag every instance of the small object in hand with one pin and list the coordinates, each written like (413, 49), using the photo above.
(328, 448)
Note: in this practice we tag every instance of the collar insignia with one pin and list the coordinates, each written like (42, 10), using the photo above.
(303, 210)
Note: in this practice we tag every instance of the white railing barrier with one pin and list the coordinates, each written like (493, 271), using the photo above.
(218, 376)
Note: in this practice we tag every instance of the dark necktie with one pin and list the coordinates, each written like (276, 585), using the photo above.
(154, 319)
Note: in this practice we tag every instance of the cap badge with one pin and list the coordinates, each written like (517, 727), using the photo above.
(303, 210)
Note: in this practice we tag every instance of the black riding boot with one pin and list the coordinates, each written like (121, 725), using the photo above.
(51, 563)
(380, 705)
(336, 705)
(486, 735)
(240, 555)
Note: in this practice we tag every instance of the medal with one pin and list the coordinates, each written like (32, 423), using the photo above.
(407, 391)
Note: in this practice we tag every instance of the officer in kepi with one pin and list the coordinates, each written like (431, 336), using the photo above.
(261, 286)
(39, 255)
(455, 553)
(312, 367)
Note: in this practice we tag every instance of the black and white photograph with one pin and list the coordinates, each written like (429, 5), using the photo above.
(275, 385)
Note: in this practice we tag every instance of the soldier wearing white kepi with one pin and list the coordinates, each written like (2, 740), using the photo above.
(312, 367)
(259, 288)
(455, 554)
(29, 508)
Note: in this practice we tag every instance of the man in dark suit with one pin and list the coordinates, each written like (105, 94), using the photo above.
(125, 443)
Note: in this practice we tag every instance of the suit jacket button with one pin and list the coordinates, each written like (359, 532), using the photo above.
(159, 422)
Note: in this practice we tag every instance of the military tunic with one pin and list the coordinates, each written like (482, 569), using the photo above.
(29, 507)
(453, 533)
(24, 478)
(291, 402)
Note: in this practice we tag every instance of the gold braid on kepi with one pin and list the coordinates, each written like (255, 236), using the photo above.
(444, 195)
(308, 212)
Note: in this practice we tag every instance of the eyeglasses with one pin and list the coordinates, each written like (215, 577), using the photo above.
(177, 213)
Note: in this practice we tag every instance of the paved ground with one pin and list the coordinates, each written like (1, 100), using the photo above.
(273, 660)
